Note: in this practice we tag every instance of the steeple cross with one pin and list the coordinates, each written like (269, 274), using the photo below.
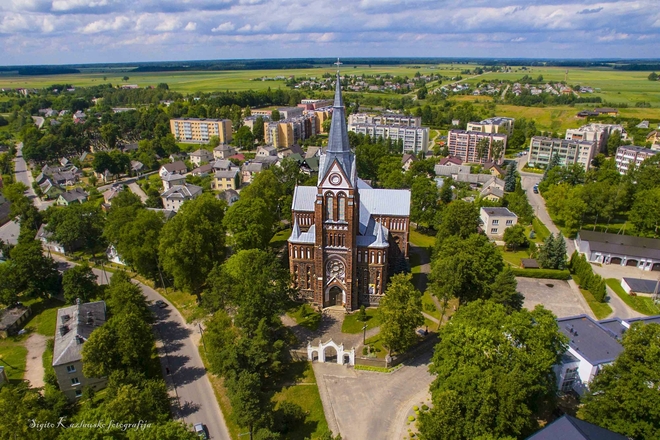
(338, 63)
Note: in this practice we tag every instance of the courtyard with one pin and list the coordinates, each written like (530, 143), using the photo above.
(555, 295)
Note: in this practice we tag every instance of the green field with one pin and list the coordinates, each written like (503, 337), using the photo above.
(204, 81)
(13, 357)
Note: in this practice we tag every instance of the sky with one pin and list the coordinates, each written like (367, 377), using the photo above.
(107, 31)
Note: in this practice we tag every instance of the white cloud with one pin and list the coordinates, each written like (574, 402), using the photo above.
(224, 27)
(97, 26)
(191, 26)
(67, 5)
(168, 24)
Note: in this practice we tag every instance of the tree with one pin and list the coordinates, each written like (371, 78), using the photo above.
(494, 372)
(623, 396)
(483, 147)
(401, 314)
(645, 212)
(125, 78)
(422, 92)
(518, 204)
(243, 137)
(505, 290)
(77, 226)
(249, 406)
(613, 142)
(552, 254)
(446, 191)
(123, 297)
(514, 237)
(510, 178)
(423, 201)
(653, 76)
(31, 271)
(109, 133)
(258, 129)
(193, 241)
(19, 406)
(497, 149)
(325, 126)
(459, 218)
(250, 223)
(170, 430)
(266, 186)
(275, 115)
(465, 268)
(79, 282)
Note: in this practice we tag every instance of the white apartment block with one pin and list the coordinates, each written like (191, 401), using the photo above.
(464, 145)
(541, 149)
(387, 119)
(493, 125)
(628, 156)
(415, 139)
(598, 133)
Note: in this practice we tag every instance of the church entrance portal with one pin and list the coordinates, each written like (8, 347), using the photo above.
(336, 296)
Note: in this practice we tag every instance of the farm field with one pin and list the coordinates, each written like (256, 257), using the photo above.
(208, 81)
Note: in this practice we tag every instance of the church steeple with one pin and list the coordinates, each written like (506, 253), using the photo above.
(338, 146)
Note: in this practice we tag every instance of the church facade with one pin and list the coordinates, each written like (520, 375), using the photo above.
(347, 237)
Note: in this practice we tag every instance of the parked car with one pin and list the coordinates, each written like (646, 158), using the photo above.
(536, 190)
(161, 304)
(201, 431)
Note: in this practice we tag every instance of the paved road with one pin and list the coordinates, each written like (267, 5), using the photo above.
(135, 189)
(34, 367)
(24, 176)
(177, 342)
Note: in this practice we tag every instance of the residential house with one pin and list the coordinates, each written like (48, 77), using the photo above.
(112, 192)
(203, 171)
(653, 138)
(137, 168)
(177, 167)
(46, 239)
(569, 428)
(414, 139)
(249, 170)
(492, 193)
(293, 149)
(265, 151)
(607, 111)
(75, 324)
(495, 220)
(224, 180)
(407, 160)
(223, 165)
(494, 169)
(310, 165)
(629, 156)
(201, 156)
(177, 195)
(49, 190)
(623, 250)
(113, 256)
(223, 151)
(76, 195)
(3, 376)
(170, 180)
(229, 195)
(450, 160)
(314, 152)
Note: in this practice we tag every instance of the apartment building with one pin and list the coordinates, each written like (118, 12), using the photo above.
(288, 132)
(250, 120)
(322, 114)
(313, 104)
(386, 119)
(595, 132)
(465, 146)
(201, 130)
(75, 324)
(541, 149)
(493, 125)
(415, 139)
(290, 112)
(628, 156)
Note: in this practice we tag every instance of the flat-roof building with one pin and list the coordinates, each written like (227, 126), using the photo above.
(415, 139)
(385, 119)
(595, 132)
(541, 149)
(465, 146)
(623, 250)
(493, 125)
(629, 156)
(201, 130)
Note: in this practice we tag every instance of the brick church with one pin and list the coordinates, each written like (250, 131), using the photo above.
(347, 236)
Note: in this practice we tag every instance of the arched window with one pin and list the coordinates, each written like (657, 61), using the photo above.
(329, 207)
(342, 207)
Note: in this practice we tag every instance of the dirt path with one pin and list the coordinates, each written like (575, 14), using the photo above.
(34, 368)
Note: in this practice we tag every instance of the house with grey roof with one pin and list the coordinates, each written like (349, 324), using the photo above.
(177, 195)
(223, 151)
(638, 286)
(249, 170)
(266, 151)
(623, 250)
(569, 428)
(177, 167)
(494, 220)
(47, 241)
(200, 156)
(75, 324)
(170, 180)
(229, 179)
(76, 195)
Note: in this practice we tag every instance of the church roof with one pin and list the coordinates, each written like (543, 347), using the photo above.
(298, 237)
(303, 198)
(338, 146)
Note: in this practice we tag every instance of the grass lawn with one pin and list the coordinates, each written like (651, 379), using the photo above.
(13, 357)
(186, 303)
(353, 325)
(304, 393)
(280, 238)
(44, 315)
(305, 316)
(421, 240)
(641, 304)
(376, 344)
(428, 306)
(513, 257)
(542, 231)
(601, 310)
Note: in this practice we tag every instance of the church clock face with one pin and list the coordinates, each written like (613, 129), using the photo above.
(335, 179)
(335, 269)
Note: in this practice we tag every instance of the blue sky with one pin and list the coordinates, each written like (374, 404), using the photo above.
(88, 31)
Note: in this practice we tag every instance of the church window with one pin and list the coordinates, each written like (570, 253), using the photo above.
(372, 257)
(295, 252)
(378, 257)
(342, 207)
(384, 255)
(308, 255)
(329, 207)
(359, 257)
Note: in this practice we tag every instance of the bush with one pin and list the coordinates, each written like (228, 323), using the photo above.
(411, 418)
(542, 273)
(586, 278)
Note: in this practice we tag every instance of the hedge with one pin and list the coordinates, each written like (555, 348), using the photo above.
(542, 273)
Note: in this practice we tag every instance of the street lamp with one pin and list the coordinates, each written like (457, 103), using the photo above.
(364, 335)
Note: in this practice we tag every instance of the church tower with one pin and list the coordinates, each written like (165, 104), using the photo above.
(336, 215)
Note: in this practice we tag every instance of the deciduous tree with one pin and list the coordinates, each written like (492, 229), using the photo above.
(79, 282)
(401, 314)
(514, 237)
(250, 223)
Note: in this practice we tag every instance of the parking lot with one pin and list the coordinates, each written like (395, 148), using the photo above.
(555, 295)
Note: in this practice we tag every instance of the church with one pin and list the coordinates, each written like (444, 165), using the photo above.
(347, 237)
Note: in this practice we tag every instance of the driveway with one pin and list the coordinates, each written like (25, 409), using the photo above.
(193, 400)
(34, 368)
(9, 232)
(559, 298)
(369, 405)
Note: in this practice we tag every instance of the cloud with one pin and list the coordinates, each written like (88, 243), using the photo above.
(224, 27)
(590, 11)
(105, 25)
(191, 26)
